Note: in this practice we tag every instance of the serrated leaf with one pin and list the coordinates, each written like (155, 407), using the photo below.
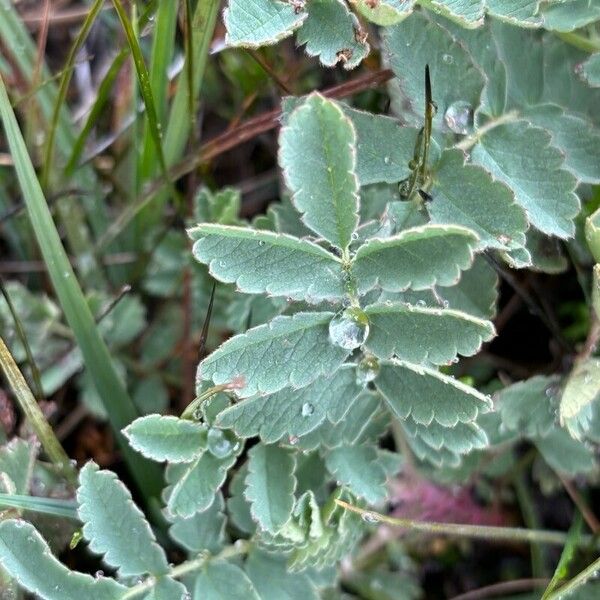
(115, 526)
(578, 139)
(383, 147)
(238, 507)
(318, 157)
(465, 194)
(193, 486)
(417, 42)
(519, 12)
(17, 460)
(221, 207)
(288, 351)
(203, 531)
(293, 412)
(166, 438)
(590, 70)
(469, 13)
(220, 580)
(254, 23)
(27, 557)
(541, 186)
(418, 258)
(526, 407)
(570, 15)
(333, 33)
(580, 399)
(421, 335)
(384, 12)
(273, 581)
(270, 486)
(565, 454)
(442, 457)
(358, 468)
(267, 262)
(427, 395)
(167, 589)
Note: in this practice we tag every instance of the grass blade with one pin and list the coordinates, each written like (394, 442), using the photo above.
(47, 506)
(118, 404)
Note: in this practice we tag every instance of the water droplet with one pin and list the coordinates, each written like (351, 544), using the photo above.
(221, 263)
(293, 440)
(354, 236)
(421, 303)
(350, 329)
(448, 58)
(367, 370)
(369, 517)
(307, 409)
(504, 239)
(387, 160)
(221, 443)
(459, 117)
(99, 573)
(551, 391)
(261, 242)
(445, 303)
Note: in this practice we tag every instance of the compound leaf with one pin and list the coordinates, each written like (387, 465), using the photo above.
(333, 33)
(420, 334)
(167, 589)
(385, 12)
(254, 23)
(288, 351)
(590, 70)
(167, 438)
(270, 486)
(317, 153)
(465, 194)
(358, 468)
(115, 526)
(267, 262)
(27, 557)
(419, 258)
(293, 412)
(427, 395)
(565, 454)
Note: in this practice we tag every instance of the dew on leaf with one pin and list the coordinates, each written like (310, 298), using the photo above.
(459, 117)
(307, 409)
(369, 517)
(350, 329)
(367, 370)
(221, 443)
(448, 58)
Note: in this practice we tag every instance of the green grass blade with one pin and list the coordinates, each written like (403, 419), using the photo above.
(33, 412)
(118, 404)
(47, 506)
(63, 88)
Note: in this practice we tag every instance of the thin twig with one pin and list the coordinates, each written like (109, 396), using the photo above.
(502, 588)
(586, 512)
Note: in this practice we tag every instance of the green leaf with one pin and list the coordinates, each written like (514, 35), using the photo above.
(592, 234)
(288, 351)
(420, 334)
(220, 580)
(41, 505)
(465, 194)
(221, 207)
(580, 401)
(469, 13)
(238, 507)
(383, 147)
(570, 15)
(565, 454)
(526, 407)
(590, 70)
(167, 589)
(267, 262)
(333, 33)
(166, 438)
(317, 153)
(17, 459)
(358, 468)
(293, 412)
(28, 558)
(418, 258)
(542, 187)
(270, 486)
(192, 487)
(385, 12)
(115, 526)
(273, 581)
(427, 395)
(417, 42)
(519, 12)
(203, 531)
(254, 23)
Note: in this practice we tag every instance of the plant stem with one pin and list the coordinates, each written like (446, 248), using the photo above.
(471, 140)
(485, 532)
(240, 547)
(579, 41)
(34, 414)
(577, 581)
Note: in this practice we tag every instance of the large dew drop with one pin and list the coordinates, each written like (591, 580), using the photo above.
(459, 117)
(367, 370)
(350, 329)
(221, 443)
